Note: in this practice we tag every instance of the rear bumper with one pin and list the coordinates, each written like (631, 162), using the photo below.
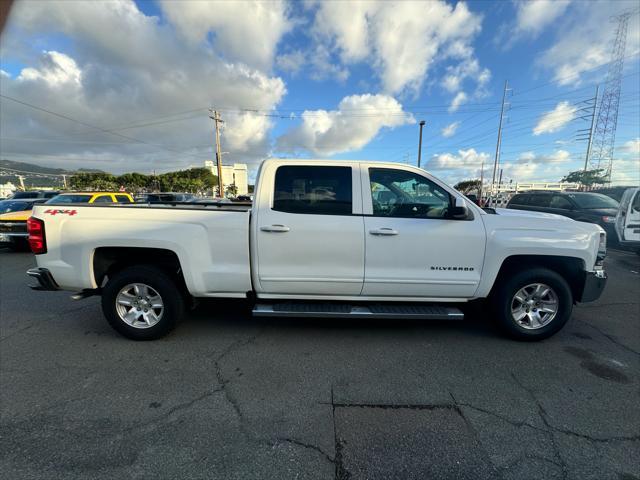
(594, 284)
(44, 278)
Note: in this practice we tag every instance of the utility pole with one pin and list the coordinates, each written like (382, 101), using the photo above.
(583, 135)
(496, 162)
(64, 181)
(481, 183)
(21, 179)
(422, 122)
(215, 116)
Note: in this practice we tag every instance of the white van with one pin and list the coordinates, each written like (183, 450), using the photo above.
(628, 219)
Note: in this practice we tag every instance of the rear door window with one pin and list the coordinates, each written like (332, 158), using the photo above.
(316, 190)
(539, 200)
(520, 199)
(103, 199)
(558, 201)
(122, 199)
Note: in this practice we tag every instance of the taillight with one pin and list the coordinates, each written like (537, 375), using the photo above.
(37, 240)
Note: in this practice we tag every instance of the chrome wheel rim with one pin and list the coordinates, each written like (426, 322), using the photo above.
(534, 306)
(139, 305)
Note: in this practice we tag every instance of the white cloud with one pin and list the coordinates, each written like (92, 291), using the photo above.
(329, 132)
(57, 69)
(450, 130)
(464, 159)
(144, 73)
(458, 100)
(247, 31)
(4, 74)
(532, 16)
(558, 156)
(632, 147)
(555, 119)
(322, 67)
(291, 62)
(401, 40)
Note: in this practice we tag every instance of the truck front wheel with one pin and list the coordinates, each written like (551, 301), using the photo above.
(533, 304)
(142, 302)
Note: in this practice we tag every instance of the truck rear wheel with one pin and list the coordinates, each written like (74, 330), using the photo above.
(142, 302)
(533, 304)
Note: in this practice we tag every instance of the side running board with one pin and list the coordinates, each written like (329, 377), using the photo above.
(342, 310)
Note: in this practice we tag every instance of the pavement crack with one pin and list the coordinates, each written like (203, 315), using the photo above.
(309, 446)
(397, 406)
(171, 411)
(340, 471)
(611, 338)
(549, 430)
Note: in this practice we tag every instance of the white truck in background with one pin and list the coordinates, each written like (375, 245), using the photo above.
(325, 239)
(628, 220)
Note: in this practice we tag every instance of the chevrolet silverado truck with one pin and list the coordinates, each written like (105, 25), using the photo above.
(323, 239)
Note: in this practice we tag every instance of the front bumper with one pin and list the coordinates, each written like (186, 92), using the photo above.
(44, 277)
(594, 284)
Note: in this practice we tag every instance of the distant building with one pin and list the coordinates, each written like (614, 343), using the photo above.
(7, 189)
(235, 174)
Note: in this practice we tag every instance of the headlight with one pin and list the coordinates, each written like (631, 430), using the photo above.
(602, 249)
(608, 219)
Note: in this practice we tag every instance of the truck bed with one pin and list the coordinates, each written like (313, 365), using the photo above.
(211, 241)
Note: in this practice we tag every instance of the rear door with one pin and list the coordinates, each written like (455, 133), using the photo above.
(309, 230)
(628, 219)
(561, 205)
(413, 247)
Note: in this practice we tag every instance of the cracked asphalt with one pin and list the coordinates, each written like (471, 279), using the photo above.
(230, 397)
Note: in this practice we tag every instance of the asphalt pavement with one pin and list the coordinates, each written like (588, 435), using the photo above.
(227, 396)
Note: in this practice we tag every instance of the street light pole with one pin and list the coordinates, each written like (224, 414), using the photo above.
(422, 122)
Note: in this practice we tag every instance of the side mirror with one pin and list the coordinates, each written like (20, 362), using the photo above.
(460, 211)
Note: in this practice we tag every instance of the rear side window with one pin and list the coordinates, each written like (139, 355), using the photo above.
(122, 199)
(519, 199)
(103, 199)
(558, 201)
(540, 200)
(70, 199)
(313, 190)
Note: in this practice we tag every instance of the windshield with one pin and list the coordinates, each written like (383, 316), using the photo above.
(70, 199)
(593, 200)
(7, 206)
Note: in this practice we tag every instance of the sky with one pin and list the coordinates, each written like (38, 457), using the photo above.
(127, 85)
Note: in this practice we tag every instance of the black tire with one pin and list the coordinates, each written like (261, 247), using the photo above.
(167, 288)
(503, 296)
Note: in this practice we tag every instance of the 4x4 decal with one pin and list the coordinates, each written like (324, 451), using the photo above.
(55, 211)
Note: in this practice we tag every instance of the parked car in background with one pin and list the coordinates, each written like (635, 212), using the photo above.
(165, 197)
(13, 221)
(613, 192)
(628, 220)
(46, 194)
(92, 197)
(581, 206)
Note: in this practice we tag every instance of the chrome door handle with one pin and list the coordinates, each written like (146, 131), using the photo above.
(275, 228)
(384, 231)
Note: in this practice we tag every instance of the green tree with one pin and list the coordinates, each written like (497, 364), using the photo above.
(587, 178)
(94, 181)
(466, 186)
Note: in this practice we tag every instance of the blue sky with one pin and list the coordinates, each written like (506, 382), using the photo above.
(131, 82)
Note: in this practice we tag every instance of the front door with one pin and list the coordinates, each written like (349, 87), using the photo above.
(310, 233)
(413, 247)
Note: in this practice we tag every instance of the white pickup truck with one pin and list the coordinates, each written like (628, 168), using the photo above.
(324, 239)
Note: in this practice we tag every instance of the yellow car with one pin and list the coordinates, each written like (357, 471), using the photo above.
(14, 213)
(13, 221)
(92, 197)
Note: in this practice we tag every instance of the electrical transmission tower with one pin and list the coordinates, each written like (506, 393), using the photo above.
(607, 120)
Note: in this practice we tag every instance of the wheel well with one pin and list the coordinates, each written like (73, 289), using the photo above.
(572, 269)
(109, 260)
